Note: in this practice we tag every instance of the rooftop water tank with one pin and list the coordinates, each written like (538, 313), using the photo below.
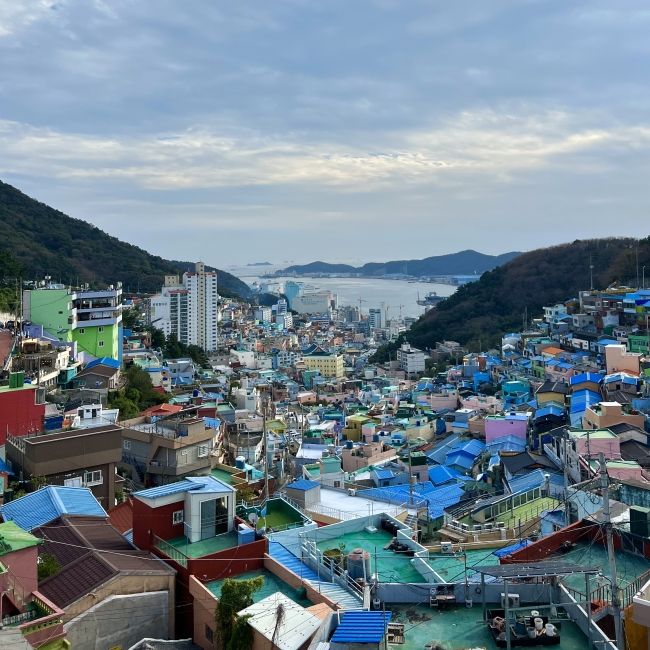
(359, 564)
(348, 444)
(240, 462)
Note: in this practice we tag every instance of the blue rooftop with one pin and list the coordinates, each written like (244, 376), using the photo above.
(362, 627)
(585, 376)
(205, 484)
(384, 474)
(50, 502)
(302, 485)
(534, 479)
(103, 361)
(439, 475)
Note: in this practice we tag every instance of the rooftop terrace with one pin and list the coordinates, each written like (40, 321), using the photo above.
(205, 546)
(272, 585)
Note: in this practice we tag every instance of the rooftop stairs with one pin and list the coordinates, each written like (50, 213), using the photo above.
(343, 598)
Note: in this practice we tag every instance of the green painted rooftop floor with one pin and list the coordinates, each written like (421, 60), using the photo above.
(628, 566)
(205, 546)
(452, 567)
(222, 475)
(461, 628)
(272, 584)
(392, 567)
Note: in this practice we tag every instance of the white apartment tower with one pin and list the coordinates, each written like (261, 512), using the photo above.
(188, 309)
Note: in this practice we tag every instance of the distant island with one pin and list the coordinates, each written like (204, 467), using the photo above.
(260, 264)
(467, 262)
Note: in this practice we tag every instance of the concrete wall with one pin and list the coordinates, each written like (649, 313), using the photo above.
(128, 585)
(204, 608)
(121, 621)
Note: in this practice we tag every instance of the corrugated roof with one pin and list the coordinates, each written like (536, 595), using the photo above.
(103, 361)
(189, 484)
(48, 503)
(362, 627)
(302, 485)
(384, 474)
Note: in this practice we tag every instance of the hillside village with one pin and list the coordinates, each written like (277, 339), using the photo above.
(154, 447)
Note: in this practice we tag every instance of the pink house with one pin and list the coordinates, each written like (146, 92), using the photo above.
(38, 619)
(510, 424)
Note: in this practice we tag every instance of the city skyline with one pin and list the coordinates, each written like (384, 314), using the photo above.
(238, 134)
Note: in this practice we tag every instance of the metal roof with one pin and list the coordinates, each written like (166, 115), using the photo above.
(547, 568)
(205, 484)
(302, 485)
(361, 627)
(48, 503)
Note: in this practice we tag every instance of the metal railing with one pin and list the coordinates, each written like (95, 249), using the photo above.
(170, 551)
(18, 619)
(328, 567)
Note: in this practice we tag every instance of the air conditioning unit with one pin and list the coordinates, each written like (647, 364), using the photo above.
(501, 524)
(488, 526)
(446, 547)
(477, 527)
(352, 492)
(455, 523)
(464, 527)
(513, 600)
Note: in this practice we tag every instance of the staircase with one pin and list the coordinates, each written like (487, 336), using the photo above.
(338, 595)
(411, 521)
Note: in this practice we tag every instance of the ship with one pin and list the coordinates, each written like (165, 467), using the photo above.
(432, 299)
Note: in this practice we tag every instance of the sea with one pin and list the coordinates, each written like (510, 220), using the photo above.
(398, 296)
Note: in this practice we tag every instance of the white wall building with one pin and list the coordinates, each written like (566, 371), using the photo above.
(188, 308)
(410, 360)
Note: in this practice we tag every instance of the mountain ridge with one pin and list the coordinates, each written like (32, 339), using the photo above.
(466, 262)
(479, 313)
(45, 241)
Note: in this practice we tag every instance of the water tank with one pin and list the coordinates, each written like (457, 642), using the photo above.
(359, 564)
(195, 392)
(375, 437)
(240, 462)
(348, 444)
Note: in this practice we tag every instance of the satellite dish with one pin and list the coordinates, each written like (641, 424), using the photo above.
(253, 517)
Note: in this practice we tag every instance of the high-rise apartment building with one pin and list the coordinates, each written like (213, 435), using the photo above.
(375, 319)
(189, 308)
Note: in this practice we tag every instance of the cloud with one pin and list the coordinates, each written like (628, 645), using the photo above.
(300, 119)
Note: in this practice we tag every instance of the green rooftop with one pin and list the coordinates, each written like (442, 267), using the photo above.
(14, 538)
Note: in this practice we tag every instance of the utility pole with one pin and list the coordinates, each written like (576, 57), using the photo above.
(616, 606)
(266, 450)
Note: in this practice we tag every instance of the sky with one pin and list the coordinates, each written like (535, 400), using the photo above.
(340, 130)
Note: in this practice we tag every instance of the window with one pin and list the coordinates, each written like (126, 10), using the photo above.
(202, 451)
(82, 330)
(177, 517)
(100, 344)
(209, 634)
(100, 328)
(72, 482)
(93, 478)
(126, 444)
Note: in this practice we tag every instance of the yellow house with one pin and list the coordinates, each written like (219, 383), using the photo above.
(329, 365)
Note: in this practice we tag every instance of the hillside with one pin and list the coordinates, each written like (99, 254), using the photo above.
(466, 262)
(47, 242)
(480, 312)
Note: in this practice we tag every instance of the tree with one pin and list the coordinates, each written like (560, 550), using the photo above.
(234, 633)
(48, 565)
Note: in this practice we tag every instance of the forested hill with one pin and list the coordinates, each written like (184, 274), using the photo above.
(47, 242)
(466, 262)
(480, 312)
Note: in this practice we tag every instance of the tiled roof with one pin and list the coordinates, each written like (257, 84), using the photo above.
(76, 580)
(121, 516)
(90, 552)
(48, 503)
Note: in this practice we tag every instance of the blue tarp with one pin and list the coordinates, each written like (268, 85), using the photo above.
(508, 550)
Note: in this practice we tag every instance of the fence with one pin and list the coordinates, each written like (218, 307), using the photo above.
(170, 551)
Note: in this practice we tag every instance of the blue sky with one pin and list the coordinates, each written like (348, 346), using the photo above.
(347, 131)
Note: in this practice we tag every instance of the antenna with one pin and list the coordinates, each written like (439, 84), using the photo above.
(591, 273)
